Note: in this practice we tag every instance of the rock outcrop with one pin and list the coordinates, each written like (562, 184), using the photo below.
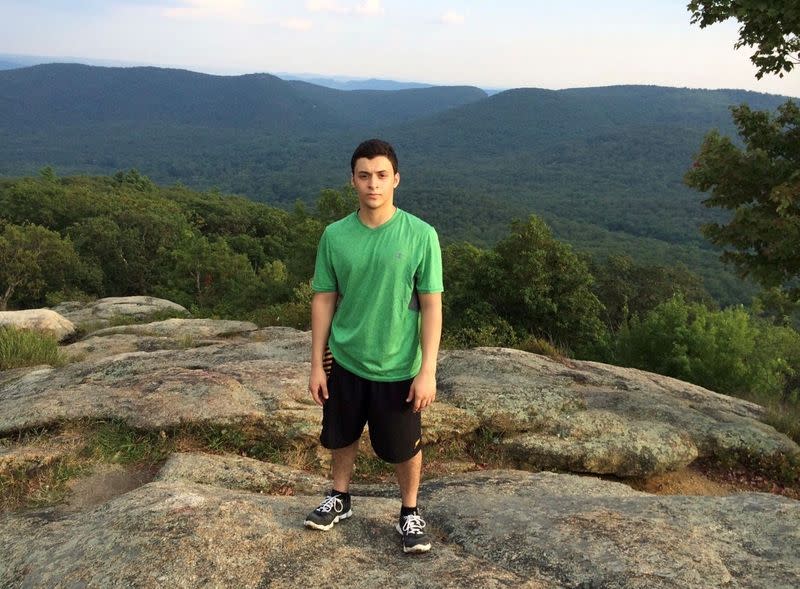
(42, 320)
(593, 417)
(102, 312)
(207, 520)
(491, 529)
(543, 414)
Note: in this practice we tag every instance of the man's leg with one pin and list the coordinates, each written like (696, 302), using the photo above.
(411, 525)
(408, 476)
(342, 463)
(336, 505)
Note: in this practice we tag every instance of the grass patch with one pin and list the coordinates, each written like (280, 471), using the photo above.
(785, 418)
(481, 448)
(371, 469)
(161, 315)
(24, 347)
(543, 347)
(39, 486)
(778, 468)
(115, 442)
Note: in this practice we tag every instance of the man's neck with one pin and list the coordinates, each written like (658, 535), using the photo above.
(376, 217)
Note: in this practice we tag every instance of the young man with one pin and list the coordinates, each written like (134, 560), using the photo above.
(378, 306)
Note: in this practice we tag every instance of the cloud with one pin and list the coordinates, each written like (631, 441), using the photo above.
(451, 17)
(207, 9)
(365, 8)
(239, 11)
(370, 8)
(331, 6)
(295, 24)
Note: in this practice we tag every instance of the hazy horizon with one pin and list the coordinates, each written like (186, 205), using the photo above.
(514, 44)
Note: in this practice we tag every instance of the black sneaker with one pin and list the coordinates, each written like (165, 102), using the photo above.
(329, 512)
(414, 538)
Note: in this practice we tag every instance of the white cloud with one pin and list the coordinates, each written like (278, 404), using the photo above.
(295, 24)
(365, 8)
(208, 9)
(370, 8)
(451, 17)
(331, 6)
(237, 11)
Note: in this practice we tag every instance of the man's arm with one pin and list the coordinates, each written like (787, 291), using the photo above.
(423, 388)
(323, 306)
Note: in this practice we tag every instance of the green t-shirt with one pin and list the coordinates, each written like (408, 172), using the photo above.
(378, 273)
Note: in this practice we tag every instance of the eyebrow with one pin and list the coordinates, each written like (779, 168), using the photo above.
(376, 172)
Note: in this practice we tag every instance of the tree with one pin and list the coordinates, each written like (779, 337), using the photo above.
(542, 288)
(760, 183)
(333, 205)
(209, 274)
(772, 27)
(727, 351)
(35, 260)
(628, 289)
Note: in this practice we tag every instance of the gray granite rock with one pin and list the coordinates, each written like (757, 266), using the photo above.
(585, 532)
(102, 312)
(239, 472)
(232, 382)
(543, 414)
(489, 529)
(42, 320)
(189, 535)
(593, 417)
(183, 328)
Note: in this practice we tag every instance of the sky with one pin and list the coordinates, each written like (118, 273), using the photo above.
(492, 44)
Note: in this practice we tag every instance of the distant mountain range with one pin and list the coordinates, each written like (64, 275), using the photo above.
(353, 84)
(604, 166)
(11, 61)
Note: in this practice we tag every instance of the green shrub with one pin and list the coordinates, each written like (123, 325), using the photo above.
(727, 351)
(538, 345)
(23, 347)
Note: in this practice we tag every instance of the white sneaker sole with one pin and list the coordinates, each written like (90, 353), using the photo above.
(309, 524)
(412, 549)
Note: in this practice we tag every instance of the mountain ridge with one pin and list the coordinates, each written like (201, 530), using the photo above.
(611, 157)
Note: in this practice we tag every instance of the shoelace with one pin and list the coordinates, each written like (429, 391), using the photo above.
(331, 502)
(413, 524)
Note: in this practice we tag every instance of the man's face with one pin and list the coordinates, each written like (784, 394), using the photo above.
(375, 180)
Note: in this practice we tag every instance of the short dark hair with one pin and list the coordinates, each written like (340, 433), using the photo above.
(373, 148)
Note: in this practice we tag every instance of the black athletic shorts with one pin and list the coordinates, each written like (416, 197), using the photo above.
(394, 429)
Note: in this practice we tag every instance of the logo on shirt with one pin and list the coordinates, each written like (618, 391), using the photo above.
(398, 255)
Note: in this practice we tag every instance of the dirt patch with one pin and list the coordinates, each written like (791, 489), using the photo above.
(688, 481)
(105, 482)
(705, 479)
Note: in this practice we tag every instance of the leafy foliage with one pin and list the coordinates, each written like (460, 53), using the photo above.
(760, 183)
(727, 351)
(627, 289)
(771, 27)
(541, 287)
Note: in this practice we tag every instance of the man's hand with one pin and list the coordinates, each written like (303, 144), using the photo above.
(318, 385)
(423, 390)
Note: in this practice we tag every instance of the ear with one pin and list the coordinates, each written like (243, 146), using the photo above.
(396, 179)
(353, 180)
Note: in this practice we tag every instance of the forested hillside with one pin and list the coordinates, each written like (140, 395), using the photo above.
(603, 166)
(86, 237)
